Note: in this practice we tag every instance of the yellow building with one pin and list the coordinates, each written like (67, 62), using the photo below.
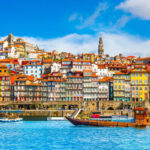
(121, 86)
(89, 57)
(139, 84)
(5, 91)
(20, 51)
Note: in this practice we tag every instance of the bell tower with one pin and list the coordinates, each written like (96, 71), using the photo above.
(100, 47)
(10, 39)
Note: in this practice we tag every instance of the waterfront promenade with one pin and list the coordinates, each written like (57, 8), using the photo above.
(61, 109)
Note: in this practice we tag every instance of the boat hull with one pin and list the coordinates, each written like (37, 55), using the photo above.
(98, 123)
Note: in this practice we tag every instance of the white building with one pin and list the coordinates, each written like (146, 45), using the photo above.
(103, 88)
(102, 71)
(33, 54)
(55, 67)
(12, 52)
(3, 54)
(3, 44)
(34, 69)
(90, 86)
(86, 65)
(66, 66)
(76, 65)
(95, 68)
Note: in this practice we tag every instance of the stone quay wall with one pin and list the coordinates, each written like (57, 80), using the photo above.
(59, 109)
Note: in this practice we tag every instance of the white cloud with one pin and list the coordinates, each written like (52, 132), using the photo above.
(126, 44)
(113, 44)
(73, 17)
(122, 21)
(71, 43)
(140, 8)
(92, 18)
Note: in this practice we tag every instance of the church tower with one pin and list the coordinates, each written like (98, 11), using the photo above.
(100, 47)
(10, 39)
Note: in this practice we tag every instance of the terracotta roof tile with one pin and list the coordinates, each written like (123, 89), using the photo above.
(106, 79)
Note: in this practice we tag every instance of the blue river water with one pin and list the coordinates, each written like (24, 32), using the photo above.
(62, 135)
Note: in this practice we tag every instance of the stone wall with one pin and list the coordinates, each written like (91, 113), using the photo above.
(62, 108)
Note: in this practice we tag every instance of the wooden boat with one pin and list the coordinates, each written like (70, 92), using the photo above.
(139, 116)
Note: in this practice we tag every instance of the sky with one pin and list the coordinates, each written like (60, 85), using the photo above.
(76, 25)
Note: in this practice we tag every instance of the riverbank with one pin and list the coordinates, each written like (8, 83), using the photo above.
(44, 114)
(42, 110)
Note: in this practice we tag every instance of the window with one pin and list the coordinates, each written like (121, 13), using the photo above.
(133, 75)
(140, 81)
(140, 74)
(136, 75)
(145, 88)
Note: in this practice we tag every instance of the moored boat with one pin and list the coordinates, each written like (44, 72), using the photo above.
(139, 117)
(10, 116)
(56, 118)
(10, 120)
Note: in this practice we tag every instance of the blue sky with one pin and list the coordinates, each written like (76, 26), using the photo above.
(75, 25)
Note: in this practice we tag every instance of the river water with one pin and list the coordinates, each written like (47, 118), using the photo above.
(62, 135)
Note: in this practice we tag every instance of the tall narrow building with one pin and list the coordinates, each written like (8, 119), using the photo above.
(100, 47)
(10, 39)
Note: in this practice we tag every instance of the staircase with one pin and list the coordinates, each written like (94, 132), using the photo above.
(76, 113)
(83, 105)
